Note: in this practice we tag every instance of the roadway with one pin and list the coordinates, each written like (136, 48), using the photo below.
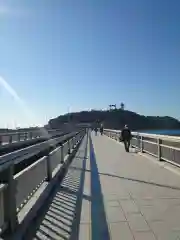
(110, 194)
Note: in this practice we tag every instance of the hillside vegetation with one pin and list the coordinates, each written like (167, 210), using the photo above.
(115, 119)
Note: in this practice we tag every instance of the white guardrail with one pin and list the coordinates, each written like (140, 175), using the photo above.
(10, 137)
(163, 147)
(27, 152)
(16, 190)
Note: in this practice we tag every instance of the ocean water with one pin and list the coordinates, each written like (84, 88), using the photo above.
(175, 132)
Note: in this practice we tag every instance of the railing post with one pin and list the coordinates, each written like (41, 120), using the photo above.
(136, 142)
(19, 136)
(73, 142)
(139, 142)
(10, 216)
(142, 145)
(62, 153)
(1, 140)
(119, 137)
(77, 139)
(159, 141)
(30, 135)
(25, 136)
(69, 150)
(49, 170)
(10, 139)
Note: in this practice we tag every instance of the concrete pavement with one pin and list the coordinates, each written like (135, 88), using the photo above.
(110, 194)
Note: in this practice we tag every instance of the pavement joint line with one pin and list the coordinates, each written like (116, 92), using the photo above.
(126, 219)
(132, 199)
(170, 166)
(143, 216)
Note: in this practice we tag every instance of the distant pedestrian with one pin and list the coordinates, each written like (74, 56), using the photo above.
(126, 137)
(96, 130)
(101, 129)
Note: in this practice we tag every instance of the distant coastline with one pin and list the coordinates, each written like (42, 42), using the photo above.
(174, 132)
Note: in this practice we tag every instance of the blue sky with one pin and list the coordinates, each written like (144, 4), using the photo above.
(83, 54)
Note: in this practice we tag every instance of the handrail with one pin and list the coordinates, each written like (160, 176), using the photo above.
(24, 132)
(148, 134)
(17, 189)
(166, 148)
(25, 153)
(18, 136)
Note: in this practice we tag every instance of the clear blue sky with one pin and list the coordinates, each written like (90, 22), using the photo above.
(87, 54)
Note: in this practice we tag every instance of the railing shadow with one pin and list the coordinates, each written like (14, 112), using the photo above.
(137, 180)
(60, 216)
(99, 225)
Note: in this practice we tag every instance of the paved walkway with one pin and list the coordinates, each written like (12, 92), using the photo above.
(110, 194)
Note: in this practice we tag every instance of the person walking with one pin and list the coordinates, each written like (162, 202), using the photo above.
(96, 130)
(126, 137)
(101, 129)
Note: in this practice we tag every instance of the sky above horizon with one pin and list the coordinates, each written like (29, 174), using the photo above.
(71, 55)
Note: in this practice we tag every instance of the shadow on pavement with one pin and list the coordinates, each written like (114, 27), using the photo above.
(99, 225)
(137, 180)
(60, 217)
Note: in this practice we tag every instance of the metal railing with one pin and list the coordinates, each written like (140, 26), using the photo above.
(2, 217)
(27, 152)
(163, 147)
(17, 189)
(10, 137)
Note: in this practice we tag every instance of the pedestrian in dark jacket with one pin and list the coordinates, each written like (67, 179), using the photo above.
(126, 137)
(101, 129)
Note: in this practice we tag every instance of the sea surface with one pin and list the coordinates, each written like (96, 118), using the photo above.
(175, 132)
